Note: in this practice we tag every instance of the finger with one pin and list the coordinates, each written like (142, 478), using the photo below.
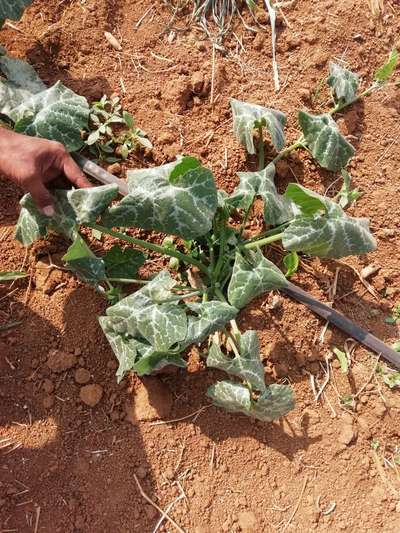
(74, 173)
(42, 198)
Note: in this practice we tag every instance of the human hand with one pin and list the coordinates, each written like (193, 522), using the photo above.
(32, 163)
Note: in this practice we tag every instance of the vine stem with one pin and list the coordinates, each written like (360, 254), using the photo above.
(263, 242)
(150, 246)
(261, 149)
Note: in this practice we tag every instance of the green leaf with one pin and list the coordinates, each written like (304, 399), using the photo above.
(33, 225)
(326, 143)
(346, 195)
(247, 366)
(291, 262)
(13, 9)
(81, 259)
(391, 379)
(90, 203)
(252, 275)
(342, 357)
(396, 346)
(277, 208)
(123, 263)
(208, 318)
(331, 235)
(129, 120)
(154, 361)
(57, 114)
(343, 82)
(148, 314)
(309, 202)
(385, 71)
(184, 165)
(11, 276)
(22, 82)
(274, 403)
(123, 348)
(246, 117)
(185, 208)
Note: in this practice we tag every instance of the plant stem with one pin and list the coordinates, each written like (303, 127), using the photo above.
(263, 242)
(286, 151)
(273, 231)
(150, 246)
(129, 281)
(261, 152)
(343, 105)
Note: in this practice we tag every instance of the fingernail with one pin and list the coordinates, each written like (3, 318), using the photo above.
(48, 210)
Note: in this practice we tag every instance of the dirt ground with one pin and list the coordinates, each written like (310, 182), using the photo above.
(67, 467)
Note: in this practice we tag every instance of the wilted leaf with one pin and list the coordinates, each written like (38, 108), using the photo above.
(347, 195)
(277, 208)
(246, 117)
(247, 366)
(57, 114)
(252, 275)
(90, 203)
(333, 234)
(123, 263)
(81, 259)
(385, 71)
(11, 276)
(275, 402)
(32, 224)
(209, 317)
(325, 141)
(22, 82)
(123, 348)
(185, 207)
(344, 83)
(13, 9)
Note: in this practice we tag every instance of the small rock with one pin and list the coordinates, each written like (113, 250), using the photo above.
(82, 376)
(304, 94)
(247, 521)
(152, 400)
(347, 433)
(112, 364)
(197, 82)
(114, 169)
(48, 386)
(280, 370)
(141, 472)
(259, 41)
(380, 410)
(78, 352)
(91, 394)
(48, 402)
(59, 361)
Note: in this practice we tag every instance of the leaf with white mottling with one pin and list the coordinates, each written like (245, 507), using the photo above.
(209, 317)
(277, 208)
(333, 234)
(20, 84)
(275, 402)
(246, 366)
(343, 82)
(252, 275)
(57, 114)
(162, 324)
(33, 224)
(123, 348)
(184, 206)
(246, 117)
(325, 141)
(309, 202)
(90, 203)
(13, 9)
(82, 260)
(154, 361)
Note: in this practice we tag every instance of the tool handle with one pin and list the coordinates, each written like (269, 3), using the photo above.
(100, 174)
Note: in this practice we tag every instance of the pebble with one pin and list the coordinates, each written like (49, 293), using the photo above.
(141, 472)
(59, 361)
(114, 169)
(82, 376)
(48, 402)
(91, 394)
(48, 386)
(347, 433)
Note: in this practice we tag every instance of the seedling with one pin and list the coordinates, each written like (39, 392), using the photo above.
(11, 276)
(218, 271)
(395, 318)
(114, 134)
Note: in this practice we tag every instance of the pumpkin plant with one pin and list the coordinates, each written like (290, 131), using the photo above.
(155, 325)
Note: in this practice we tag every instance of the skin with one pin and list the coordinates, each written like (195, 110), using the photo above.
(33, 163)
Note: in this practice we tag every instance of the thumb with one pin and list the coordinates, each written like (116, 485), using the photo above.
(42, 198)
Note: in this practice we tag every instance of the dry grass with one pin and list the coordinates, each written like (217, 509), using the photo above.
(376, 6)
